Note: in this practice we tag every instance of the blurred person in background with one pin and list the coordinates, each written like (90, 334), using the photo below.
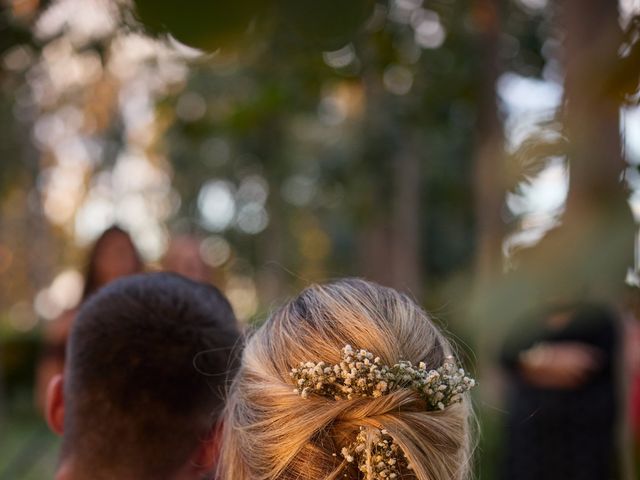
(184, 257)
(113, 255)
(632, 364)
(563, 406)
(148, 364)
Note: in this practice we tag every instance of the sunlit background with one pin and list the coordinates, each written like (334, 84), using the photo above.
(393, 149)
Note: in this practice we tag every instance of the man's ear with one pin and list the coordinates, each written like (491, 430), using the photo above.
(205, 458)
(54, 407)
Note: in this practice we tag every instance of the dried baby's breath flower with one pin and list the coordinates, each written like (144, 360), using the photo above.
(376, 454)
(361, 374)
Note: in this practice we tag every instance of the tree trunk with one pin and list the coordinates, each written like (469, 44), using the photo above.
(592, 110)
(489, 150)
(597, 214)
(390, 245)
(405, 221)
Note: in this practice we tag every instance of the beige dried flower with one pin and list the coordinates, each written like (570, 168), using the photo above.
(361, 374)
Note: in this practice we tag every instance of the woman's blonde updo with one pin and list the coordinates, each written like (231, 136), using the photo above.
(272, 433)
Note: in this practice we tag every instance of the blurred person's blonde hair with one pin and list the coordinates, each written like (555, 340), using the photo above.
(272, 433)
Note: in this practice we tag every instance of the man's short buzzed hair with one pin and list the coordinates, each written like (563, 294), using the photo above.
(148, 362)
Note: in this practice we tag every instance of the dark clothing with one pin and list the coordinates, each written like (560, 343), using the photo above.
(563, 434)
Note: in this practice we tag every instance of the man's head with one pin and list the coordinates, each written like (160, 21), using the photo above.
(148, 361)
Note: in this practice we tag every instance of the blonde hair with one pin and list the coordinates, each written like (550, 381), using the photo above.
(272, 433)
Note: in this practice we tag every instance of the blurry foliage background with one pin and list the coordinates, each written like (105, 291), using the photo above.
(420, 144)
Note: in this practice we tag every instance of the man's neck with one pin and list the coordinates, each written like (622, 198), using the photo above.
(68, 469)
(73, 470)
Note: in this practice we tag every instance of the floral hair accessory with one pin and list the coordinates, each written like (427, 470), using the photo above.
(361, 374)
(385, 461)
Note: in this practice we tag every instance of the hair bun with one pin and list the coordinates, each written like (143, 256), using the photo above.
(272, 433)
(353, 411)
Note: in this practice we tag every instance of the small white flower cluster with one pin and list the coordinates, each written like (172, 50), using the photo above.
(441, 387)
(361, 374)
(385, 461)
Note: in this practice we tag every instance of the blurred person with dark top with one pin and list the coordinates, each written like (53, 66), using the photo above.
(563, 406)
(148, 363)
(112, 256)
(632, 364)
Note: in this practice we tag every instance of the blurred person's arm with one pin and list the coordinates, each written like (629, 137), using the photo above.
(562, 349)
(563, 365)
